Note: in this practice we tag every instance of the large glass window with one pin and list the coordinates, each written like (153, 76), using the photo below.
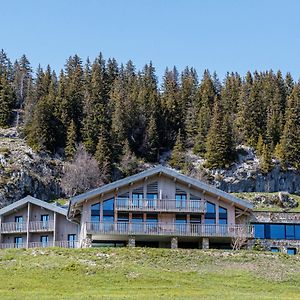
(108, 210)
(152, 200)
(210, 215)
(274, 249)
(195, 221)
(259, 231)
(222, 215)
(180, 222)
(180, 200)
(71, 240)
(152, 220)
(297, 232)
(95, 212)
(137, 199)
(277, 231)
(18, 242)
(19, 221)
(137, 222)
(291, 251)
(44, 240)
(290, 232)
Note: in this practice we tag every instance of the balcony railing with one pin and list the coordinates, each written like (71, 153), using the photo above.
(162, 205)
(36, 226)
(62, 244)
(169, 229)
(11, 227)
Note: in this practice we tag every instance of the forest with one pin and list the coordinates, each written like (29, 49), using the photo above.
(120, 114)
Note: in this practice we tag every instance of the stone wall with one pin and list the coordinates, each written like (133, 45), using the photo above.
(275, 217)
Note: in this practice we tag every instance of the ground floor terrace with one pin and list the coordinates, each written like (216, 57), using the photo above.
(165, 235)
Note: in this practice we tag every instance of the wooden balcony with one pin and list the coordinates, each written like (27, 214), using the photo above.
(20, 227)
(38, 226)
(13, 227)
(160, 205)
(169, 229)
(61, 244)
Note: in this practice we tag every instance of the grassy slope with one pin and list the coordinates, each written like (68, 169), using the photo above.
(147, 274)
(250, 196)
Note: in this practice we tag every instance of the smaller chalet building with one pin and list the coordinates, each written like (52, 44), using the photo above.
(30, 223)
(161, 208)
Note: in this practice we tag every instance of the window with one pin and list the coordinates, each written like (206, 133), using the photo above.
(290, 232)
(18, 242)
(180, 222)
(95, 212)
(45, 221)
(44, 240)
(152, 220)
(277, 231)
(19, 223)
(137, 199)
(259, 231)
(71, 240)
(137, 222)
(222, 215)
(108, 210)
(274, 249)
(152, 200)
(210, 215)
(291, 251)
(180, 200)
(195, 221)
(123, 217)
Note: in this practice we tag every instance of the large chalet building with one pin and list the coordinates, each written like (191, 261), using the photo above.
(158, 207)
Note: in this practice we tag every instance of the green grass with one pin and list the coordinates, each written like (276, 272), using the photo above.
(250, 197)
(141, 273)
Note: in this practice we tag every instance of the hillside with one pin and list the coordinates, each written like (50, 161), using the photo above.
(123, 273)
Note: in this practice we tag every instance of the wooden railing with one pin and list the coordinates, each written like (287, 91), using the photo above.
(163, 205)
(62, 244)
(13, 227)
(169, 229)
(41, 226)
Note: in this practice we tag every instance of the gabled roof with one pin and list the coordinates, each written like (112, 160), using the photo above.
(35, 201)
(164, 170)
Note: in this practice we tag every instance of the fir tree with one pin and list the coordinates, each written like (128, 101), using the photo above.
(291, 135)
(151, 143)
(6, 101)
(219, 145)
(71, 143)
(177, 160)
(260, 145)
(266, 159)
(103, 155)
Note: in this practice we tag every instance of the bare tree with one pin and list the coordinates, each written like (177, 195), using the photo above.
(240, 237)
(81, 174)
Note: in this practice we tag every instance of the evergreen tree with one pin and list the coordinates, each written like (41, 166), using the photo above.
(103, 155)
(219, 144)
(291, 135)
(177, 160)
(266, 159)
(260, 145)
(6, 101)
(71, 143)
(129, 163)
(151, 142)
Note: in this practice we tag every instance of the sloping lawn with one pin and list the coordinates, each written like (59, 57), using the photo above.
(142, 273)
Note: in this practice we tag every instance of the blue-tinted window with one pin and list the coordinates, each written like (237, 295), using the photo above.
(291, 251)
(137, 199)
(222, 215)
(290, 232)
(274, 249)
(152, 218)
(108, 219)
(95, 212)
(277, 231)
(297, 232)
(108, 205)
(210, 215)
(180, 219)
(180, 200)
(137, 218)
(123, 217)
(195, 219)
(259, 231)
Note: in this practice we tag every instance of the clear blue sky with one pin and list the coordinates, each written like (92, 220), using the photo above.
(219, 35)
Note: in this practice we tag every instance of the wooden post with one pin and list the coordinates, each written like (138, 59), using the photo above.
(54, 229)
(27, 224)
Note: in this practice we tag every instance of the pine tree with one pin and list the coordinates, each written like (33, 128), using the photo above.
(219, 144)
(177, 160)
(291, 135)
(266, 159)
(6, 101)
(278, 152)
(151, 143)
(260, 145)
(71, 142)
(103, 155)
(129, 162)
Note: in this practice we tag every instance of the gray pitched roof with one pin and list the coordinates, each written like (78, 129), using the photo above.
(35, 201)
(153, 171)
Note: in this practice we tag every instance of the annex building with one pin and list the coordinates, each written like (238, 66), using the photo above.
(158, 207)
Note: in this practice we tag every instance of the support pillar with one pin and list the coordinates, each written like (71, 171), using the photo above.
(174, 243)
(27, 225)
(205, 243)
(54, 229)
(87, 242)
(131, 242)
